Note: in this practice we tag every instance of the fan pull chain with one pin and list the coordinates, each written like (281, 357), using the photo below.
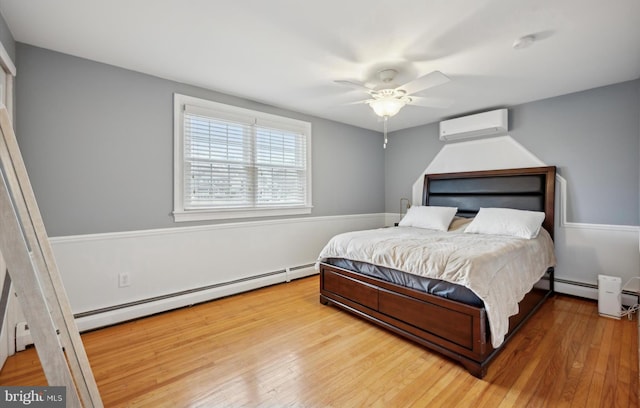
(384, 146)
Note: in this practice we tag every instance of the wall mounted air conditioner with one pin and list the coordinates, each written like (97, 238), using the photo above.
(489, 123)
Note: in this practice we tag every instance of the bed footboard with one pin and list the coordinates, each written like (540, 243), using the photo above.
(453, 329)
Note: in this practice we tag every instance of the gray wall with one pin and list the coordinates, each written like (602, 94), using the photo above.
(593, 137)
(97, 141)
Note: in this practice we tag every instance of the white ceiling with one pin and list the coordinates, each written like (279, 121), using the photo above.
(287, 53)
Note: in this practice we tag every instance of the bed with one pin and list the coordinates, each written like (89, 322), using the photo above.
(455, 326)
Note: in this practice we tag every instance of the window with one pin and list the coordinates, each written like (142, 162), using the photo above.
(232, 162)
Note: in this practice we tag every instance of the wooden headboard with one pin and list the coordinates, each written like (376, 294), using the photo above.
(531, 188)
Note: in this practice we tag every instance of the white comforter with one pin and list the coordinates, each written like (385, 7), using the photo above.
(500, 270)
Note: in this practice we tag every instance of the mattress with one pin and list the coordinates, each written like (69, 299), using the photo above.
(434, 287)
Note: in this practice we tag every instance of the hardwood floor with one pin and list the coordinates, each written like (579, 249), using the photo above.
(278, 346)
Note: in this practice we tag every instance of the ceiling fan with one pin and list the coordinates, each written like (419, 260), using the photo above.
(387, 102)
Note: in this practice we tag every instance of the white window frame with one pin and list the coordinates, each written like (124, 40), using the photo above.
(219, 110)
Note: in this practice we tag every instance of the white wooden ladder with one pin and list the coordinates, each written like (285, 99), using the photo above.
(29, 257)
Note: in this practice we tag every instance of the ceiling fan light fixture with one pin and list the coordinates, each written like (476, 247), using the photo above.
(389, 101)
(387, 107)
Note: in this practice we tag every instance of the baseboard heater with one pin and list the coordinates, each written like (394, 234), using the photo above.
(173, 301)
(590, 291)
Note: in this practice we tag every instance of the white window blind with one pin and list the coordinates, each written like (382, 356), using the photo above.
(232, 161)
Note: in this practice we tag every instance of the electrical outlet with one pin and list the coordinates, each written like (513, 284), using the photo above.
(123, 280)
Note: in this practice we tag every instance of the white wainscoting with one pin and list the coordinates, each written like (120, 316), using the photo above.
(176, 267)
(585, 251)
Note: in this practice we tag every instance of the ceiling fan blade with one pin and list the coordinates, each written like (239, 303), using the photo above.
(353, 84)
(430, 80)
(430, 102)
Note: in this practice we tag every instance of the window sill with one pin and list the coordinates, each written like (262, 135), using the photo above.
(202, 215)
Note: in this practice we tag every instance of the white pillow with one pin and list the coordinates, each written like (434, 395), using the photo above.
(431, 217)
(507, 221)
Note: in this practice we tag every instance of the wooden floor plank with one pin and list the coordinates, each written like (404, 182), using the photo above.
(278, 346)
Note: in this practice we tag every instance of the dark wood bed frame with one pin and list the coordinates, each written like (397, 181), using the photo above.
(454, 329)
